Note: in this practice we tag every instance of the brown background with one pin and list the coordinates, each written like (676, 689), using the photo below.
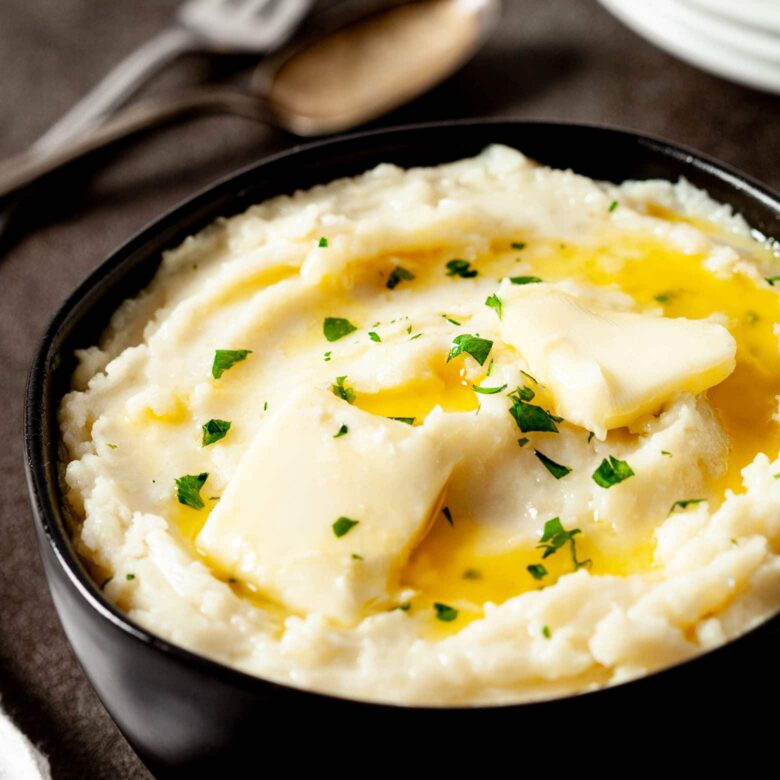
(551, 59)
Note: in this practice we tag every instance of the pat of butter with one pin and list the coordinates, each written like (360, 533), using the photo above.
(605, 368)
(273, 526)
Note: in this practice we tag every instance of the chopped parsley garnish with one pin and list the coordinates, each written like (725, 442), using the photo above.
(130, 577)
(327, 356)
(612, 206)
(556, 469)
(667, 453)
(685, 503)
(664, 298)
(343, 431)
(478, 348)
(773, 279)
(407, 420)
(409, 329)
(523, 393)
(490, 367)
(445, 612)
(323, 242)
(343, 526)
(374, 336)
(555, 536)
(611, 472)
(265, 406)
(518, 245)
(356, 557)
(416, 336)
(340, 390)
(397, 276)
(214, 430)
(448, 515)
(523, 441)
(472, 574)
(530, 417)
(462, 268)
(188, 489)
(112, 446)
(546, 633)
(488, 390)
(524, 279)
(227, 358)
(537, 570)
(335, 328)
(494, 302)
(450, 320)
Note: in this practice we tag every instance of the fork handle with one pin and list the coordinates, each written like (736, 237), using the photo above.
(115, 87)
(18, 172)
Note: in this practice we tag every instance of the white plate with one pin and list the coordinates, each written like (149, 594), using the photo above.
(760, 14)
(731, 58)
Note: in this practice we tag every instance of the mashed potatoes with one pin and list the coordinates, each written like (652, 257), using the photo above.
(484, 432)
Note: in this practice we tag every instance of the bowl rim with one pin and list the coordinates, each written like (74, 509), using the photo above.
(47, 513)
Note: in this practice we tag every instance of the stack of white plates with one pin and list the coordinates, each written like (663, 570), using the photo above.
(736, 39)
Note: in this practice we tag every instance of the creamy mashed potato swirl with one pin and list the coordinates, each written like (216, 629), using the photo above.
(482, 432)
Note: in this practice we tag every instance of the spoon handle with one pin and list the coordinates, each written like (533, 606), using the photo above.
(23, 169)
(117, 86)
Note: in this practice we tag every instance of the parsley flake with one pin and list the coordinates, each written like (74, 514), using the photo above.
(488, 390)
(685, 503)
(772, 279)
(407, 420)
(227, 358)
(556, 469)
(323, 242)
(530, 417)
(343, 526)
(398, 275)
(130, 576)
(335, 328)
(523, 441)
(518, 245)
(546, 633)
(667, 453)
(611, 472)
(445, 613)
(612, 206)
(343, 431)
(494, 302)
(214, 430)
(450, 320)
(664, 298)
(537, 570)
(525, 279)
(478, 348)
(340, 390)
(327, 356)
(555, 536)
(374, 336)
(112, 446)
(472, 574)
(462, 268)
(188, 489)
(357, 557)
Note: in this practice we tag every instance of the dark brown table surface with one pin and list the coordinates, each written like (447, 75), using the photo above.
(561, 59)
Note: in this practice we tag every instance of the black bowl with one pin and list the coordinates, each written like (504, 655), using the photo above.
(185, 714)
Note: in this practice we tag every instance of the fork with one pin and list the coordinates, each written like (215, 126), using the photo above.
(224, 26)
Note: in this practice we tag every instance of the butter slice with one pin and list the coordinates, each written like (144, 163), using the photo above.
(273, 525)
(606, 368)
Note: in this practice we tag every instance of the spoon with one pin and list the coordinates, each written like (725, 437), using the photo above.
(357, 71)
